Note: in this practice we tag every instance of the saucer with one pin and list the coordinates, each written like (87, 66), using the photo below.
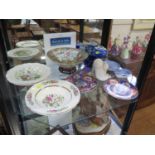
(122, 72)
(120, 89)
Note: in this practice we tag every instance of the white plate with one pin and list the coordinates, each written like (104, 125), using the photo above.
(28, 43)
(28, 74)
(23, 53)
(52, 97)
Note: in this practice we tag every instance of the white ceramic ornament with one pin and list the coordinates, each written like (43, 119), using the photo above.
(100, 69)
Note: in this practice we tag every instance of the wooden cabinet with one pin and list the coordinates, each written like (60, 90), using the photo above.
(148, 92)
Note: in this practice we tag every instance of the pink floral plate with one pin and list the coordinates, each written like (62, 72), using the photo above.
(52, 97)
(84, 82)
(120, 89)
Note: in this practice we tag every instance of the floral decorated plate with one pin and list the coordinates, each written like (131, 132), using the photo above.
(113, 65)
(120, 89)
(84, 82)
(23, 53)
(67, 57)
(28, 43)
(28, 74)
(52, 97)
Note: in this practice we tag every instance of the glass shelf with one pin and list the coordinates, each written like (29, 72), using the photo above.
(94, 106)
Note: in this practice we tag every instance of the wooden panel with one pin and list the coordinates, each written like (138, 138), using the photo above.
(143, 121)
(148, 92)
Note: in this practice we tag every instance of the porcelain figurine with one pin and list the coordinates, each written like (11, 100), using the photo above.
(125, 52)
(100, 69)
(137, 49)
(116, 47)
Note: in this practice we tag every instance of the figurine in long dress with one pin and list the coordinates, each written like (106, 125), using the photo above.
(137, 48)
(125, 51)
(116, 47)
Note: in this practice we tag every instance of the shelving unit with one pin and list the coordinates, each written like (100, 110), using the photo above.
(27, 120)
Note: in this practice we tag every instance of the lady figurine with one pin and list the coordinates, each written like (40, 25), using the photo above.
(137, 48)
(125, 53)
(116, 48)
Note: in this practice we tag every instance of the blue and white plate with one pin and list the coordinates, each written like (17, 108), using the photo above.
(113, 65)
(120, 89)
(122, 72)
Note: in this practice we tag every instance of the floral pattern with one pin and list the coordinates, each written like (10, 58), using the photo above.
(28, 74)
(85, 83)
(126, 91)
(67, 56)
(53, 100)
(54, 110)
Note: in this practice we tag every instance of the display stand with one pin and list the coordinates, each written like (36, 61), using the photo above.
(116, 128)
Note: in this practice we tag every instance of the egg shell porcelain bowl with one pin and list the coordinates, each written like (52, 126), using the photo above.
(67, 57)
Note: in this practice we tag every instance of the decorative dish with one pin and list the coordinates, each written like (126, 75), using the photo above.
(23, 53)
(84, 82)
(52, 97)
(28, 74)
(120, 89)
(28, 43)
(67, 57)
